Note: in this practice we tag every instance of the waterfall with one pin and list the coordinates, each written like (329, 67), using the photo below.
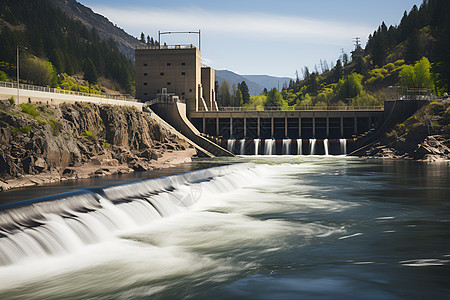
(269, 147)
(61, 224)
(256, 141)
(343, 143)
(299, 147)
(230, 145)
(312, 146)
(242, 147)
(286, 146)
(325, 146)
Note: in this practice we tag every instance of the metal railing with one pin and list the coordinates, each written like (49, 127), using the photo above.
(301, 108)
(46, 89)
(184, 46)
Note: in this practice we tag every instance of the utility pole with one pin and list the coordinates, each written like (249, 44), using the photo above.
(18, 89)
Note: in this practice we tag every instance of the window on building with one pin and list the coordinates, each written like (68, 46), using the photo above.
(145, 83)
(145, 65)
(190, 90)
(168, 64)
(183, 73)
(183, 63)
(182, 93)
(162, 73)
(168, 83)
(145, 94)
(145, 74)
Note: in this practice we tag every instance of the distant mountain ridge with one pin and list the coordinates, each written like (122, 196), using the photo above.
(255, 83)
(105, 28)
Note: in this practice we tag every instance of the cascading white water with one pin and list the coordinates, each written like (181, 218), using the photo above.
(269, 146)
(230, 145)
(312, 146)
(299, 147)
(49, 227)
(343, 144)
(242, 147)
(325, 146)
(256, 141)
(286, 146)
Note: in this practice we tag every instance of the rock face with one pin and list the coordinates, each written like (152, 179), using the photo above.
(78, 140)
(416, 144)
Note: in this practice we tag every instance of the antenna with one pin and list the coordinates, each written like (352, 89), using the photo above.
(181, 32)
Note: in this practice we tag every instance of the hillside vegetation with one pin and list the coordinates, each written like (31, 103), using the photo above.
(53, 48)
(414, 54)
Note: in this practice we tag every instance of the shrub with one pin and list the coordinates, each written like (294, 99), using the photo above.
(87, 133)
(28, 108)
(56, 126)
(435, 108)
(24, 129)
(106, 145)
(11, 100)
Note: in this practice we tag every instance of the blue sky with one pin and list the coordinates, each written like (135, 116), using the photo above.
(258, 37)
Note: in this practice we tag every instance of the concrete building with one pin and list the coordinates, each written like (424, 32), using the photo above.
(177, 69)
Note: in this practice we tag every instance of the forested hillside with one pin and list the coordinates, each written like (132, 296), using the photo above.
(54, 47)
(413, 54)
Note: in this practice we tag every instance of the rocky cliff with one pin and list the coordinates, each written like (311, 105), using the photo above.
(41, 143)
(424, 136)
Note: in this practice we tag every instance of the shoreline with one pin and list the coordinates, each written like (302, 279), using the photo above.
(100, 169)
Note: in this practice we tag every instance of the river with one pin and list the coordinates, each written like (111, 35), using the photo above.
(279, 227)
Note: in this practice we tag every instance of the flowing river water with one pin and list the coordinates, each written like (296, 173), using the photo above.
(276, 227)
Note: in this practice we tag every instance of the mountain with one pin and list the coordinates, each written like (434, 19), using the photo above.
(231, 77)
(255, 83)
(105, 29)
(269, 82)
(53, 44)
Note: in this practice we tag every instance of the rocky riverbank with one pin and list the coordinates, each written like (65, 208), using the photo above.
(42, 144)
(425, 136)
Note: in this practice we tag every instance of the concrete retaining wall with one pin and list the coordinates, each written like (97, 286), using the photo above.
(56, 98)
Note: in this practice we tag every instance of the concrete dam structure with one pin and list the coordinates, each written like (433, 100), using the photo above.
(177, 87)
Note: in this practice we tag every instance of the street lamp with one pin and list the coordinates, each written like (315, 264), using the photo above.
(18, 89)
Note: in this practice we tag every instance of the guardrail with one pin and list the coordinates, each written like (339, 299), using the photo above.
(181, 46)
(59, 91)
(301, 108)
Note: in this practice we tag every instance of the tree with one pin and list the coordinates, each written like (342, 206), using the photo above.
(142, 37)
(39, 71)
(238, 101)
(90, 72)
(418, 76)
(274, 99)
(245, 92)
(350, 87)
(224, 94)
(337, 72)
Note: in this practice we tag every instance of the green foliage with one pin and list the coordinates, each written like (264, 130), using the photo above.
(56, 126)
(11, 100)
(274, 99)
(436, 108)
(28, 108)
(350, 87)
(67, 44)
(3, 76)
(87, 133)
(38, 71)
(365, 99)
(304, 101)
(224, 97)
(24, 129)
(106, 145)
(245, 92)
